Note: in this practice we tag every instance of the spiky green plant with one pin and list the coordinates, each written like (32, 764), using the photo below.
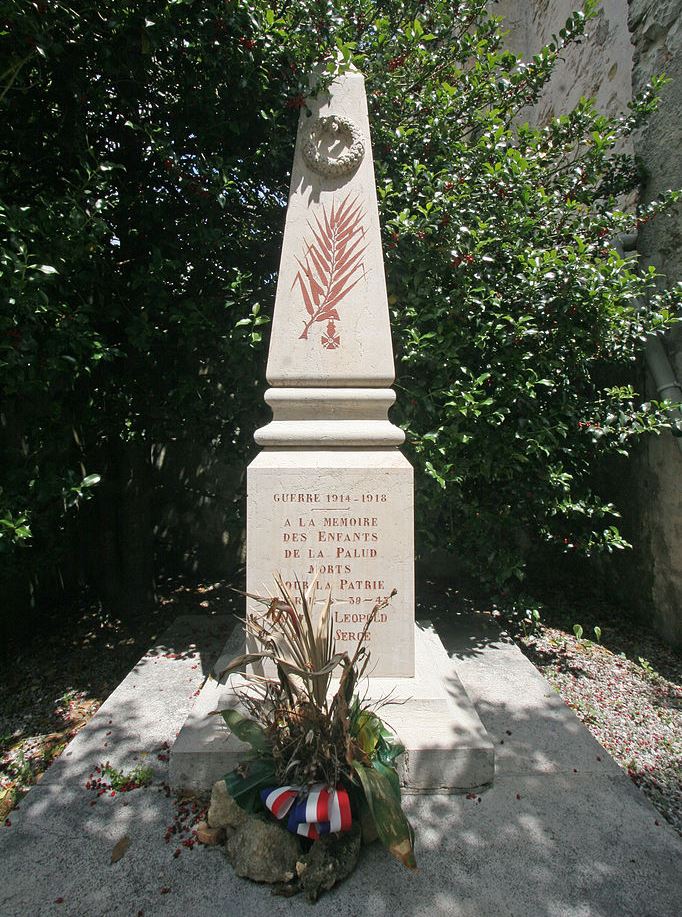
(302, 733)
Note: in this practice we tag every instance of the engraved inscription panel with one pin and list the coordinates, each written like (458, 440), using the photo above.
(356, 532)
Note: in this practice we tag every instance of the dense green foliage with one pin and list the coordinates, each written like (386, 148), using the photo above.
(143, 176)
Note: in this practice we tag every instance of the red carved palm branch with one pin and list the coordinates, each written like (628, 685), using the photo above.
(329, 269)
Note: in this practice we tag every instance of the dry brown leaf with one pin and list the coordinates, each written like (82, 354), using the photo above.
(120, 848)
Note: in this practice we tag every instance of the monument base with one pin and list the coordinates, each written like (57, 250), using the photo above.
(447, 749)
(345, 518)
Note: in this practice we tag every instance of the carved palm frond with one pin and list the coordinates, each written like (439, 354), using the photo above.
(332, 263)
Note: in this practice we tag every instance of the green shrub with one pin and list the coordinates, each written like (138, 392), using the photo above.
(517, 320)
(143, 167)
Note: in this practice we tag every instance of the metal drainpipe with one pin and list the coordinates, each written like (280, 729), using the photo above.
(667, 386)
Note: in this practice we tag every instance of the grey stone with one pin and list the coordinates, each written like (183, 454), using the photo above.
(140, 720)
(656, 526)
(204, 749)
(263, 851)
(224, 812)
(330, 860)
(447, 748)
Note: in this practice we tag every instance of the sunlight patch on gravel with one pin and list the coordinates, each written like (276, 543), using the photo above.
(631, 709)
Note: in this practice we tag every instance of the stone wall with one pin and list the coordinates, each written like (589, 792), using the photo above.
(656, 31)
(599, 67)
(627, 44)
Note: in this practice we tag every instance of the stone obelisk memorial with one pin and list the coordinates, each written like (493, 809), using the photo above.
(330, 494)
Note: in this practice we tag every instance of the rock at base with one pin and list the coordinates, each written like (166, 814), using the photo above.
(263, 851)
(224, 812)
(211, 837)
(330, 860)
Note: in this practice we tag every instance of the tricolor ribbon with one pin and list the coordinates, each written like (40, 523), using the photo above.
(321, 811)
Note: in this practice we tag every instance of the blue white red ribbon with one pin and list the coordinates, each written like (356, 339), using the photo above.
(320, 811)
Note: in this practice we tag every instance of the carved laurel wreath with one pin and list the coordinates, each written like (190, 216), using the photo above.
(348, 160)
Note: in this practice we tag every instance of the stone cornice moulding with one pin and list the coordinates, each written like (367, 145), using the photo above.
(330, 417)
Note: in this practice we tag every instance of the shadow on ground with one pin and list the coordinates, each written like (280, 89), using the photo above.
(52, 685)
(561, 833)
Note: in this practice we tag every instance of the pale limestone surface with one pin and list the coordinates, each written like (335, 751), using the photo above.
(204, 749)
(347, 515)
(332, 255)
(447, 749)
(330, 497)
(320, 417)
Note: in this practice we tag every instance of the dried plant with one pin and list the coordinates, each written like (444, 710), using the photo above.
(329, 269)
(303, 734)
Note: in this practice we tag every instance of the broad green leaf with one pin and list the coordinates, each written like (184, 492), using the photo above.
(245, 784)
(392, 826)
(368, 731)
(246, 730)
(389, 748)
(390, 775)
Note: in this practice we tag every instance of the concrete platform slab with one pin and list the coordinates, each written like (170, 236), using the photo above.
(544, 841)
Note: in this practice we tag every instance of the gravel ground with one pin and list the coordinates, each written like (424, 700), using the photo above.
(51, 686)
(627, 689)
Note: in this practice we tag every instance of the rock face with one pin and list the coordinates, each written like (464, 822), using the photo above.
(598, 67)
(224, 811)
(329, 860)
(211, 837)
(263, 851)
(628, 43)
